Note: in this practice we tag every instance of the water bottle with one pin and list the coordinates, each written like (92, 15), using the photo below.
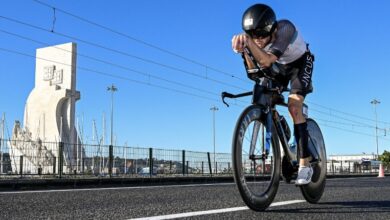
(268, 139)
(268, 136)
(293, 146)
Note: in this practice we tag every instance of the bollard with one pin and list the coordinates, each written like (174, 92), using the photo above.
(349, 166)
(54, 165)
(150, 162)
(381, 173)
(183, 162)
(332, 167)
(208, 157)
(60, 158)
(21, 166)
(110, 159)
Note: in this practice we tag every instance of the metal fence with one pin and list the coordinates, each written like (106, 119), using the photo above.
(32, 158)
(64, 160)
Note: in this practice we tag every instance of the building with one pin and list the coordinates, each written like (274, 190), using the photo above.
(352, 163)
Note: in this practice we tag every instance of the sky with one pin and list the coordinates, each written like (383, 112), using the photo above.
(170, 60)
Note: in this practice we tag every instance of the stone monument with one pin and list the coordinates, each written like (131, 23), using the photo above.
(49, 116)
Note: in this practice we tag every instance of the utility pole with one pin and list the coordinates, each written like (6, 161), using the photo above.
(113, 89)
(2, 143)
(214, 109)
(375, 102)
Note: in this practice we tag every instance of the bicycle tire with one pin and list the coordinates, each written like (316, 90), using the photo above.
(255, 201)
(313, 191)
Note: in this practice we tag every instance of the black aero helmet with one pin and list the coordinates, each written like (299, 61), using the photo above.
(259, 20)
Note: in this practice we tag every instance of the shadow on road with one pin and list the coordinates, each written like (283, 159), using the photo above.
(341, 207)
(360, 204)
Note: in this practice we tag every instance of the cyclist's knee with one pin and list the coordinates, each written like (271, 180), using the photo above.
(295, 103)
(295, 110)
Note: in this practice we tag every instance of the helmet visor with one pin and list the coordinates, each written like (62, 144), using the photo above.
(258, 33)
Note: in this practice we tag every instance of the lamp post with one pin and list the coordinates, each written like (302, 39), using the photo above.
(375, 102)
(113, 89)
(111, 147)
(214, 109)
(2, 143)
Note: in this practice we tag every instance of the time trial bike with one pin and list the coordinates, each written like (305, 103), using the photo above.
(261, 153)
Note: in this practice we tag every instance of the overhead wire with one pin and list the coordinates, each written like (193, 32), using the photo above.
(347, 114)
(122, 53)
(172, 53)
(195, 62)
(139, 41)
(114, 76)
(110, 63)
(161, 87)
(324, 123)
(164, 65)
(170, 67)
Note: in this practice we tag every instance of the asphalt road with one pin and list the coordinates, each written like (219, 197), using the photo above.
(347, 198)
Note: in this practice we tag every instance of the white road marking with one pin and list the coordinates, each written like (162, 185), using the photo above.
(112, 188)
(214, 211)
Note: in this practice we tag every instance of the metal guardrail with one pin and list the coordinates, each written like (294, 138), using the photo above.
(64, 160)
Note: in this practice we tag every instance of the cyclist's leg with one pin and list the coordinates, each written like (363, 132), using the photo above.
(301, 85)
(295, 105)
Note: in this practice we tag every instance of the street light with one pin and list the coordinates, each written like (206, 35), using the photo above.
(113, 89)
(375, 102)
(214, 109)
(2, 143)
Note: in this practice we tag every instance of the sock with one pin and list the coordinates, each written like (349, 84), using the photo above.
(302, 137)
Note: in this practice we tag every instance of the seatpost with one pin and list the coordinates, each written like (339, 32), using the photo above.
(257, 90)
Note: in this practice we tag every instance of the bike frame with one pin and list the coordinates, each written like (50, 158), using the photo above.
(267, 97)
(262, 96)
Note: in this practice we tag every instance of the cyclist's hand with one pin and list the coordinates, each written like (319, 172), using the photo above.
(239, 43)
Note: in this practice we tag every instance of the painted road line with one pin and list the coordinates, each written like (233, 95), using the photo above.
(214, 211)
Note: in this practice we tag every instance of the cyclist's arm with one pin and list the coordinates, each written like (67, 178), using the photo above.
(284, 36)
(249, 63)
(263, 58)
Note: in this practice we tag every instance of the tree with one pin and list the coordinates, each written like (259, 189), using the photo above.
(385, 158)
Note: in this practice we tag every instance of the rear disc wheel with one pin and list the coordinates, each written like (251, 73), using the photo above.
(313, 191)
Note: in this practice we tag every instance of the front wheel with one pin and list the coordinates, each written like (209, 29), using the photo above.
(314, 190)
(256, 175)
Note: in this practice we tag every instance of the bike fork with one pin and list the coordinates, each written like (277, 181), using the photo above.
(265, 141)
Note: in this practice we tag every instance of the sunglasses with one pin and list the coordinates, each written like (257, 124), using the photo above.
(259, 33)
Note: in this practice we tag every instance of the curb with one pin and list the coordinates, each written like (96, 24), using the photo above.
(38, 184)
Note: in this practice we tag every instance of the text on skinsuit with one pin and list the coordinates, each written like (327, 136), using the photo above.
(308, 70)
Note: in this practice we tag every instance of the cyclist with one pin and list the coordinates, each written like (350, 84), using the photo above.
(279, 43)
